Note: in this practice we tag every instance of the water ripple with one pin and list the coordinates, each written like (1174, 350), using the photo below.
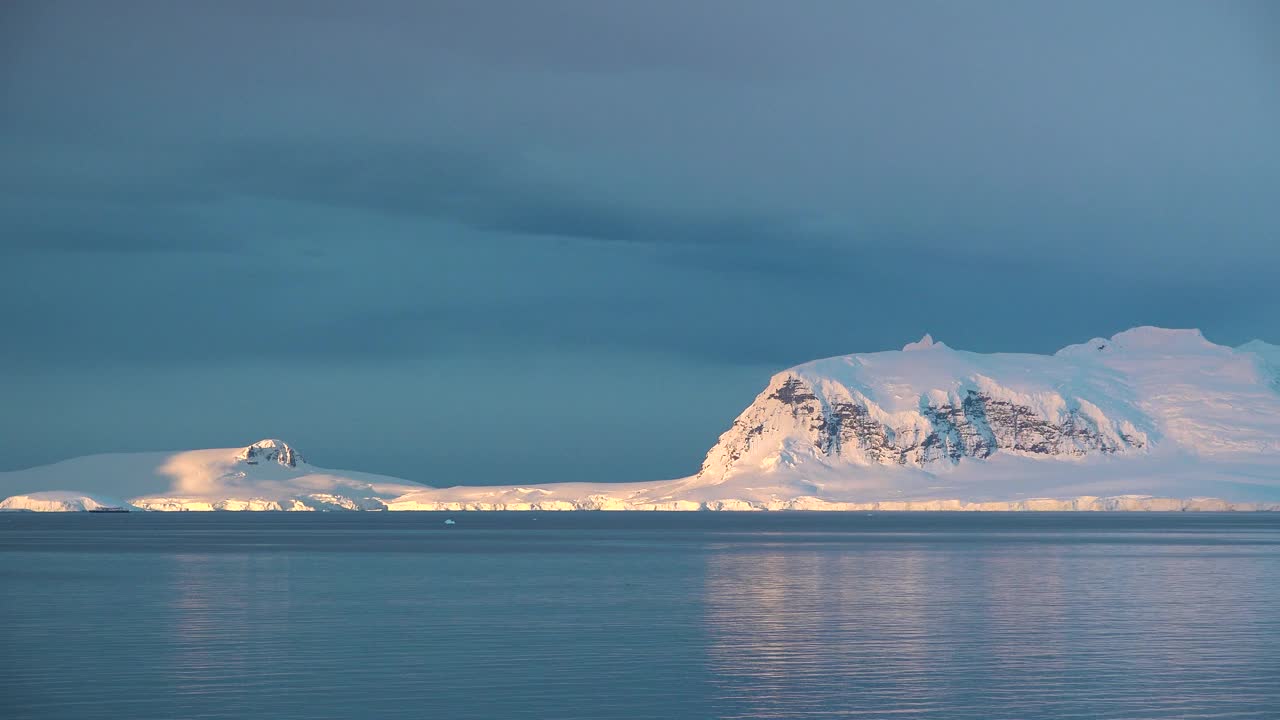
(622, 616)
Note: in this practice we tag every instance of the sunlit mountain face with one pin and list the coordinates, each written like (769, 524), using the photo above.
(1150, 419)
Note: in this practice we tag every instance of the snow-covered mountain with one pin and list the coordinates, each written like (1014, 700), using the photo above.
(1148, 419)
(267, 475)
(1149, 411)
(928, 406)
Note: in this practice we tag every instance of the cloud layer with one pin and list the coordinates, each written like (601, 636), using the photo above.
(384, 232)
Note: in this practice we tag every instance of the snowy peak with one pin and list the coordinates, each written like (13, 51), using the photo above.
(1268, 358)
(270, 451)
(1269, 354)
(1155, 339)
(1146, 339)
(1258, 346)
(925, 343)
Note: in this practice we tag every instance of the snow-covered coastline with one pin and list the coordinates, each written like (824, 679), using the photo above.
(1148, 420)
(63, 501)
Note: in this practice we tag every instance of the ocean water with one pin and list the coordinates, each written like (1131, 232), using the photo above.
(640, 615)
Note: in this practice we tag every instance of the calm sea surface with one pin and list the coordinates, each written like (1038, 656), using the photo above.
(639, 615)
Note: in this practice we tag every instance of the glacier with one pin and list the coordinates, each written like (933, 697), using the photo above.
(1149, 419)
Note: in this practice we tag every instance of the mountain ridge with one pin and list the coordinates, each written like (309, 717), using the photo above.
(929, 402)
(1150, 418)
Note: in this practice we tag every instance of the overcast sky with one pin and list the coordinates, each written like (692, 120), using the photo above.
(528, 241)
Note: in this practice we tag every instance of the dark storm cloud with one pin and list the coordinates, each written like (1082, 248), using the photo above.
(420, 209)
(487, 191)
(484, 190)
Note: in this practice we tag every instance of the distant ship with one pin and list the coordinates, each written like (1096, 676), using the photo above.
(105, 509)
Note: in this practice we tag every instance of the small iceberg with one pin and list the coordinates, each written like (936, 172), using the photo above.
(450, 522)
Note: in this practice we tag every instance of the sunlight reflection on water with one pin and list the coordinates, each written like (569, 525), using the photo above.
(1064, 630)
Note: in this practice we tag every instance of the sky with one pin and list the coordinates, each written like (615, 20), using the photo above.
(487, 242)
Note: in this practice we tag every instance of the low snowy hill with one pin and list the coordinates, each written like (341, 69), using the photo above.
(267, 475)
(1150, 419)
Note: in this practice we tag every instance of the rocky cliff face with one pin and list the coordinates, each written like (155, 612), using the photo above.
(795, 421)
(929, 406)
(270, 451)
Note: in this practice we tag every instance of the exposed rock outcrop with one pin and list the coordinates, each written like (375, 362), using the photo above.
(270, 451)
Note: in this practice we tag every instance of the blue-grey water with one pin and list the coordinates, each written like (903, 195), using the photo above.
(639, 615)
